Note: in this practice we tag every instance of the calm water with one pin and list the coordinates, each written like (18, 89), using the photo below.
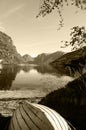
(32, 77)
(70, 101)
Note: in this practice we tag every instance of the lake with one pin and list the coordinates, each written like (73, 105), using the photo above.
(32, 77)
(32, 82)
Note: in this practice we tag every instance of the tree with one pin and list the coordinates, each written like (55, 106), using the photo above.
(47, 6)
(77, 38)
(77, 41)
(77, 35)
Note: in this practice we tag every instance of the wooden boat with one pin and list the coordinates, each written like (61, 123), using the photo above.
(30, 116)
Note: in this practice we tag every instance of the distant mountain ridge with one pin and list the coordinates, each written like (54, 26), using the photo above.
(27, 58)
(9, 54)
(46, 58)
(75, 58)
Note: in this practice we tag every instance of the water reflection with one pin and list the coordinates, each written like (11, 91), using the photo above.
(47, 69)
(7, 75)
(31, 77)
(26, 68)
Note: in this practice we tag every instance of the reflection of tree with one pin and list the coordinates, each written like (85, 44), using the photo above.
(70, 102)
(26, 68)
(7, 75)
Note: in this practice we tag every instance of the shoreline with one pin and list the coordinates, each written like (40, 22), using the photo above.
(10, 100)
(8, 106)
(21, 94)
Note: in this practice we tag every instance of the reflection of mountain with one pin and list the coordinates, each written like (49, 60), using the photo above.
(7, 75)
(70, 102)
(26, 68)
(43, 69)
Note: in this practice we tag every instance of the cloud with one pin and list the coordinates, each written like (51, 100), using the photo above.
(12, 11)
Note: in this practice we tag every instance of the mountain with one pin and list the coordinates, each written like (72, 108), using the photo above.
(8, 52)
(27, 58)
(46, 58)
(72, 59)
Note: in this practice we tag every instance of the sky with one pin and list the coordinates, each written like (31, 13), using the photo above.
(33, 35)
